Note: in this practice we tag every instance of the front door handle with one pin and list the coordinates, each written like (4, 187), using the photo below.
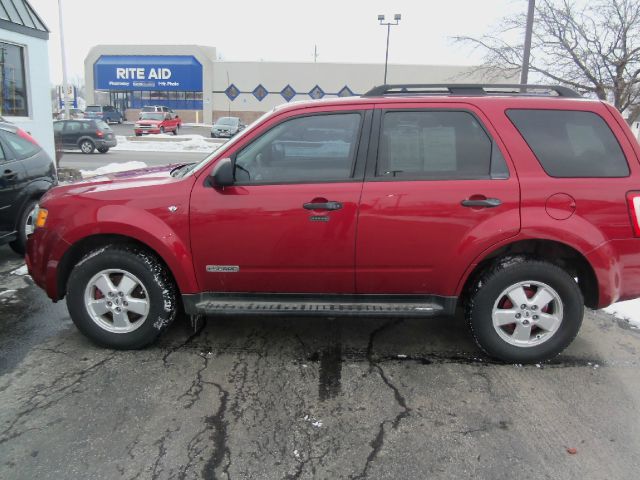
(323, 205)
(482, 203)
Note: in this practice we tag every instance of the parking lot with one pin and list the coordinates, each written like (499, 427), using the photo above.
(307, 398)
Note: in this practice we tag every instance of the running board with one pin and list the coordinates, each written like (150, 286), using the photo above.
(334, 305)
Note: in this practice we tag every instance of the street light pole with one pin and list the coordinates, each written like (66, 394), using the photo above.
(524, 74)
(397, 17)
(65, 85)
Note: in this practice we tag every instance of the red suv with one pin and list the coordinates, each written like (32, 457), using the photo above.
(157, 122)
(518, 204)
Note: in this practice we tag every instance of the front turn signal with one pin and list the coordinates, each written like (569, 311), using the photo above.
(41, 218)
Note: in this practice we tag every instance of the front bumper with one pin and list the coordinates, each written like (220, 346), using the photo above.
(44, 249)
(142, 131)
(222, 133)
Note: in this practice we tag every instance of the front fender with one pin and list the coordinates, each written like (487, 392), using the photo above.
(143, 226)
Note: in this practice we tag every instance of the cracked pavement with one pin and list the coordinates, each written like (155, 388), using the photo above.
(300, 398)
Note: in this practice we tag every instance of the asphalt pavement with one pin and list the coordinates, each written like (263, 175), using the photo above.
(276, 398)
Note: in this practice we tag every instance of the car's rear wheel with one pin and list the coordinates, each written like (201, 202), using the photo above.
(121, 297)
(103, 149)
(24, 227)
(87, 146)
(524, 310)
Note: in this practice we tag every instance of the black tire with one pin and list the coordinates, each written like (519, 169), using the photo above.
(19, 245)
(151, 273)
(103, 149)
(175, 132)
(87, 146)
(161, 130)
(138, 134)
(486, 291)
(213, 135)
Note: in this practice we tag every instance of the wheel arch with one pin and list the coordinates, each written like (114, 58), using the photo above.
(555, 252)
(94, 242)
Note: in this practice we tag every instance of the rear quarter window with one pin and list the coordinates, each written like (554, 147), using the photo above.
(571, 143)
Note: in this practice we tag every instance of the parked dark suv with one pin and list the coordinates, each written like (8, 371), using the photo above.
(106, 113)
(87, 135)
(518, 204)
(27, 173)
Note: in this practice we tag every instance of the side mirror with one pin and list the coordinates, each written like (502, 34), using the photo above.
(222, 173)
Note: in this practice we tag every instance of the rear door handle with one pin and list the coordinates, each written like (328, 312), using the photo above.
(9, 175)
(482, 203)
(323, 206)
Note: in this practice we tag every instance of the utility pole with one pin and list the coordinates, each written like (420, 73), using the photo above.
(524, 74)
(397, 17)
(65, 84)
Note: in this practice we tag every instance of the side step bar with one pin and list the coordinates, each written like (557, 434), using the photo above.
(334, 305)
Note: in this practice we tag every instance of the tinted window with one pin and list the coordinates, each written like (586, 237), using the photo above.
(58, 126)
(570, 143)
(23, 148)
(306, 149)
(108, 109)
(73, 127)
(93, 108)
(434, 144)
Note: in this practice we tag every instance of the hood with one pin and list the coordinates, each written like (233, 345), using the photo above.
(149, 122)
(143, 177)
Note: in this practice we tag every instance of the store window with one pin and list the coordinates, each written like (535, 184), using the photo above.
(13, 101)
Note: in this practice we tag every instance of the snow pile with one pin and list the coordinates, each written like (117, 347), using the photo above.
(113, 168)
(629, 311)
(166, 143)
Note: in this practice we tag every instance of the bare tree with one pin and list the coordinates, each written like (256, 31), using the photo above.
(592, 47)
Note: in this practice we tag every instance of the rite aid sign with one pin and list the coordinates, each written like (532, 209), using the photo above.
(149, 72)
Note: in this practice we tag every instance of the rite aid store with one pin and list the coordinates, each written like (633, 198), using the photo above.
(190, 80)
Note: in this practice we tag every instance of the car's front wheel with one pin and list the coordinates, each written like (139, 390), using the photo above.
(121, 297)
(87, 146)
(524, 311)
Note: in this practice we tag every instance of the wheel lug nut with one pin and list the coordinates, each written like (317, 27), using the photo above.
(118, 309)
(126, 304)
(535, 317)
(525, 322)
(109, 304)
(534, 307)
(523, 306)
(120, 294)
(518, 315)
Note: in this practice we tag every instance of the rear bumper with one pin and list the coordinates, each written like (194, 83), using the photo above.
(106, 143)
(617, 268)
(44, 250)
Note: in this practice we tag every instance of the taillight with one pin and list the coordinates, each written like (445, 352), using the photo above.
(633, 201)
(99, 134)
(22, 134)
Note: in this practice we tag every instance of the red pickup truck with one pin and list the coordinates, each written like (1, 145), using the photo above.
(518, 204)
(157, 122)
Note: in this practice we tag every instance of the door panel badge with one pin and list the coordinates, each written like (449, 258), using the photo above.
(223, 268)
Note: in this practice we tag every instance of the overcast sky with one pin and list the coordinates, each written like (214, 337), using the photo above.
(285, 30)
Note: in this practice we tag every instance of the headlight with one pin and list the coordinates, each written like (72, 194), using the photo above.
(41, 215)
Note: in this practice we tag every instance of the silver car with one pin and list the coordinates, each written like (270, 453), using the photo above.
(227, 127)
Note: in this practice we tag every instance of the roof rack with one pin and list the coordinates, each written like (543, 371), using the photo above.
(471, 89)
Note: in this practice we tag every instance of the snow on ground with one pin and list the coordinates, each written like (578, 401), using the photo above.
(167, 143)
(20, 271)
(629, 311)
(112, 168)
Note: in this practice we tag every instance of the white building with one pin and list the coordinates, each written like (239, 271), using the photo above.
(24, 71)
(189, 79)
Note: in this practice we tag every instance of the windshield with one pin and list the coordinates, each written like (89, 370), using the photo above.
(148, 109)
(152, 116)
(227, 121)
(93, 108)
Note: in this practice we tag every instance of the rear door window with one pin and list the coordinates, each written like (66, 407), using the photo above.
(571, 143)
(23, 148)
(437, 145)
